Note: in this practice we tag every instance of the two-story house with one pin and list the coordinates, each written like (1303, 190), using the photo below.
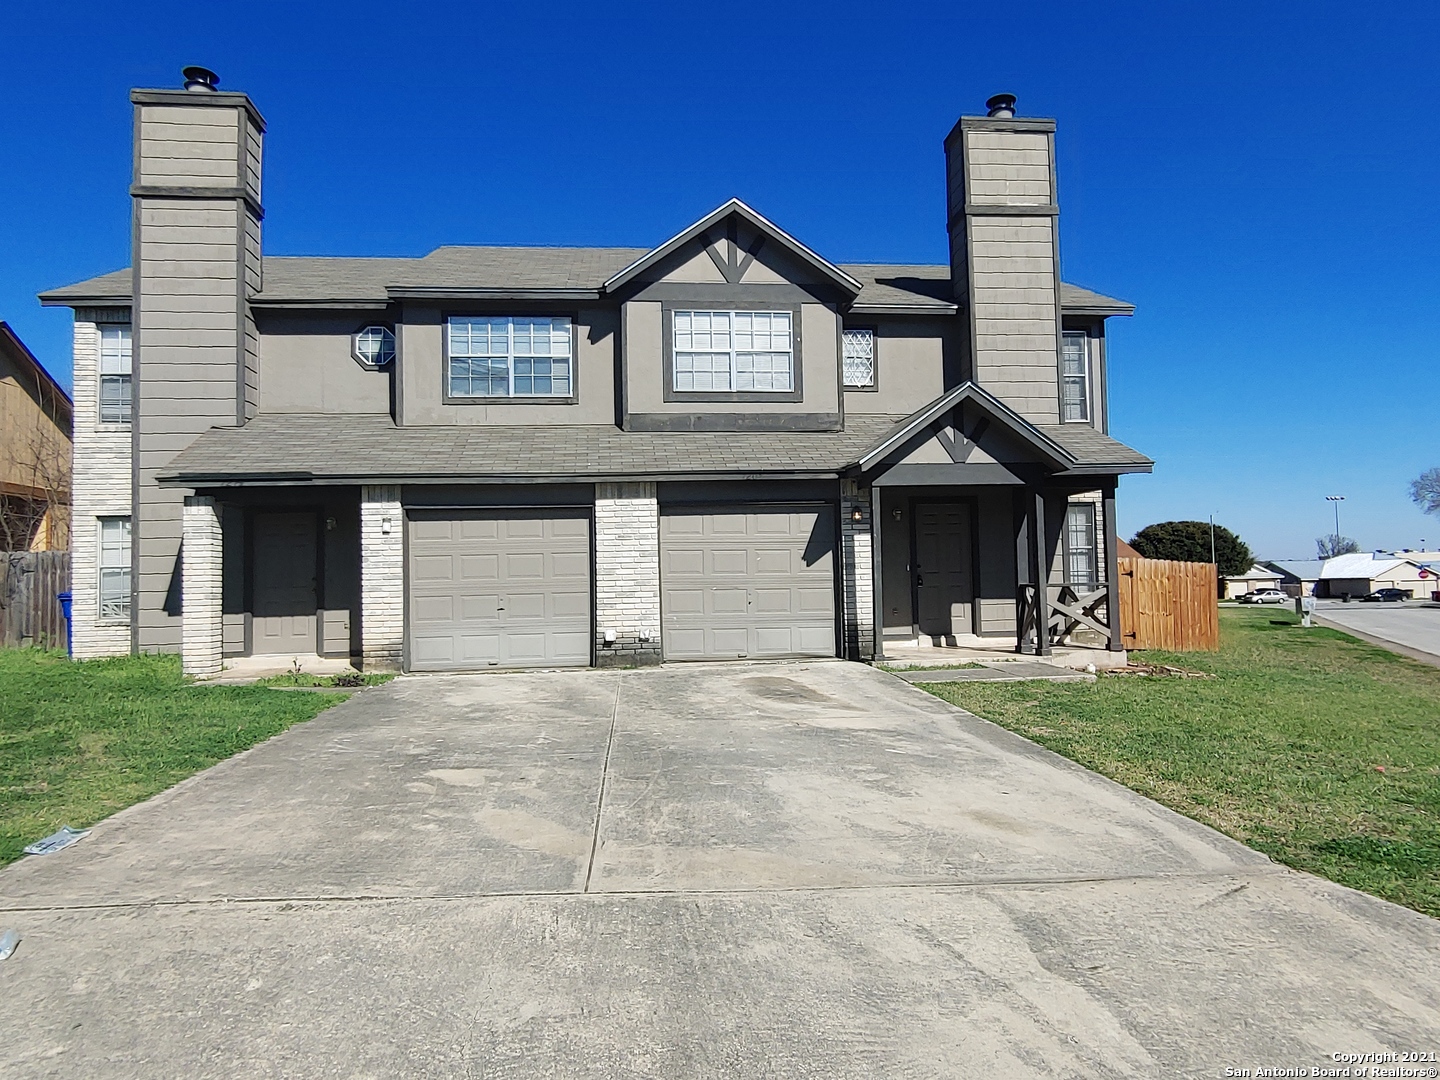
(724, 446)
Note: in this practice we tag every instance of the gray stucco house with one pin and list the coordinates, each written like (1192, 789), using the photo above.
(724, 446)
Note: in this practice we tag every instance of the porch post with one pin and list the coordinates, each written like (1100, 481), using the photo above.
(382, 577)
(1040, 572)
(201, 577)
(877, 593)
(856, 523)
(1020, 516)
(1112, 569)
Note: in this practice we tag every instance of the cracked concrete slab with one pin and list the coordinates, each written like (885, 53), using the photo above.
(796, 870)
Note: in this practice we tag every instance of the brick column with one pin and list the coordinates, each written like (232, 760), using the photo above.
(627, 575)
(201, 575)
(382, 577)
(857, 570)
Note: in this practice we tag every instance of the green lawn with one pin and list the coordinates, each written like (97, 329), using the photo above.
(1317, 749)
(79, 741)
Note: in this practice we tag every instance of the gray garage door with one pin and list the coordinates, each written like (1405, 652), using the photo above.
(499, 588)
(747, 582)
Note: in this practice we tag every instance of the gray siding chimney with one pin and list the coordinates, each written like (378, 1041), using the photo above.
(1005, 255)
(196, 264)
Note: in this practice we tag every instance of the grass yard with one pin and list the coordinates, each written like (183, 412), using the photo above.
(79, 741)
(1313, 747)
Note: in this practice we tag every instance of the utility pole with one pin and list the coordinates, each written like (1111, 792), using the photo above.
(1212, 539)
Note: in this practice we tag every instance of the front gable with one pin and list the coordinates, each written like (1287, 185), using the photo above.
(768, 355)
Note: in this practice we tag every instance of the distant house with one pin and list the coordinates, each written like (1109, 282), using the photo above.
(1364, 572)
(1297, 576)
(35, 428)
(1256, 578)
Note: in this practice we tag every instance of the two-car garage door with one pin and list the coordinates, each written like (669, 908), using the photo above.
(506, 588)
(747, 581)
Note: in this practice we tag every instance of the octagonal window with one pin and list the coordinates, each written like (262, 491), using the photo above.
(375, 346)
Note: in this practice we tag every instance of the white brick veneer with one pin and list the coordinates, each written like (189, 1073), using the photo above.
(382, 577)
(627, 574)
(202, 553)
(859, 591)
(100, 487)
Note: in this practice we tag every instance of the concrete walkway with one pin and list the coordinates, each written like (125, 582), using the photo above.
(784, 870)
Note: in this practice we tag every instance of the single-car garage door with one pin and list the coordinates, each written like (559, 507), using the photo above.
(506, 588)
(747, 581)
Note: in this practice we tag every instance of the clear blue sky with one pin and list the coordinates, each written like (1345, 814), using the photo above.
(1259, 179)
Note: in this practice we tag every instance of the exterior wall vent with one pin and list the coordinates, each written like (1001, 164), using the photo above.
(201, 79)
(1001, 106)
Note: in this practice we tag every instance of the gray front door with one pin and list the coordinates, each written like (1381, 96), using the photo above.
(944, 584)
(499, 588)
(285, 562)
(747, 581)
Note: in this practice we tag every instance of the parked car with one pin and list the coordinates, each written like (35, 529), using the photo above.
(1265, 596)
(1386, 596)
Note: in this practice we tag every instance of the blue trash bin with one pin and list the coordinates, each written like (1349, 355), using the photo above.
(64, 599)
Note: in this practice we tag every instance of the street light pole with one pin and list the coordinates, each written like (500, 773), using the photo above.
(1336, 500)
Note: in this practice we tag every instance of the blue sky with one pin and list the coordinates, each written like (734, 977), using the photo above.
(1260, 180)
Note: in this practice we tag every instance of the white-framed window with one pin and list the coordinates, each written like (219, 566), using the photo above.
(858, 357)
(115, 569)
(115, 374)
(734, 351)
(1075, 377)
(1082, 565)
(374, 347)
(509, 356)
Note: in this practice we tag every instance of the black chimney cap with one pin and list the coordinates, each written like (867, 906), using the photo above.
(1001, 105)
(201, 79)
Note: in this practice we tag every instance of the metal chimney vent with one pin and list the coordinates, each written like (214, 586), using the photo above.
(201, 79)
(1001, 106)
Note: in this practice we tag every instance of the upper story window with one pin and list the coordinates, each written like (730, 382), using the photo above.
(509, 356)
(1075, 377)
(734, 351)
(375, 346)
(115, 375)
(858, 360)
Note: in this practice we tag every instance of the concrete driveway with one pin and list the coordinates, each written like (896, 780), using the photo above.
(782, 870)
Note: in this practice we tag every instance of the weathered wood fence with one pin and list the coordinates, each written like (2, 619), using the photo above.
(30, 615)
(1168, 605)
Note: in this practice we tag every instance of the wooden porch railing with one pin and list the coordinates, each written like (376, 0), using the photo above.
(1071, 606)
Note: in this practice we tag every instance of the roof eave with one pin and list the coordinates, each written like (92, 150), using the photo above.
(904, 309)
(445, 292)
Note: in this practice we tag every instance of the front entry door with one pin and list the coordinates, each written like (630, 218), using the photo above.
(943, 582)
(285, 561)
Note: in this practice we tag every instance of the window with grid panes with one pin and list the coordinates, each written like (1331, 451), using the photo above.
(115, 374)
(115, 568)
(1081, 563)
(733, 351)
(858, 357)
(509, 356)
(1074, 377)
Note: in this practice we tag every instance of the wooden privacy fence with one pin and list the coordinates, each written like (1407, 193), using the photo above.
(29, 613)
(1168, 605)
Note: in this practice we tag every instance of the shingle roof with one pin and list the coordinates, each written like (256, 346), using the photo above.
(1091, 448)
(371, 448)
(304, 279)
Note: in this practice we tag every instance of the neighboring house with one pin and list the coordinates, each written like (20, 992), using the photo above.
(35, 417)
(1256, 578)
(724, 446)
(1297, 576)
(1364, 572)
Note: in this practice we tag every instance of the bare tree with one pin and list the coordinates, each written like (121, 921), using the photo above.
(35, 490)
(1425, 491)
(1327, 547)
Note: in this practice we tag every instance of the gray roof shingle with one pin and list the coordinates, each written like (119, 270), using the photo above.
(372, 449)
(304, 280)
